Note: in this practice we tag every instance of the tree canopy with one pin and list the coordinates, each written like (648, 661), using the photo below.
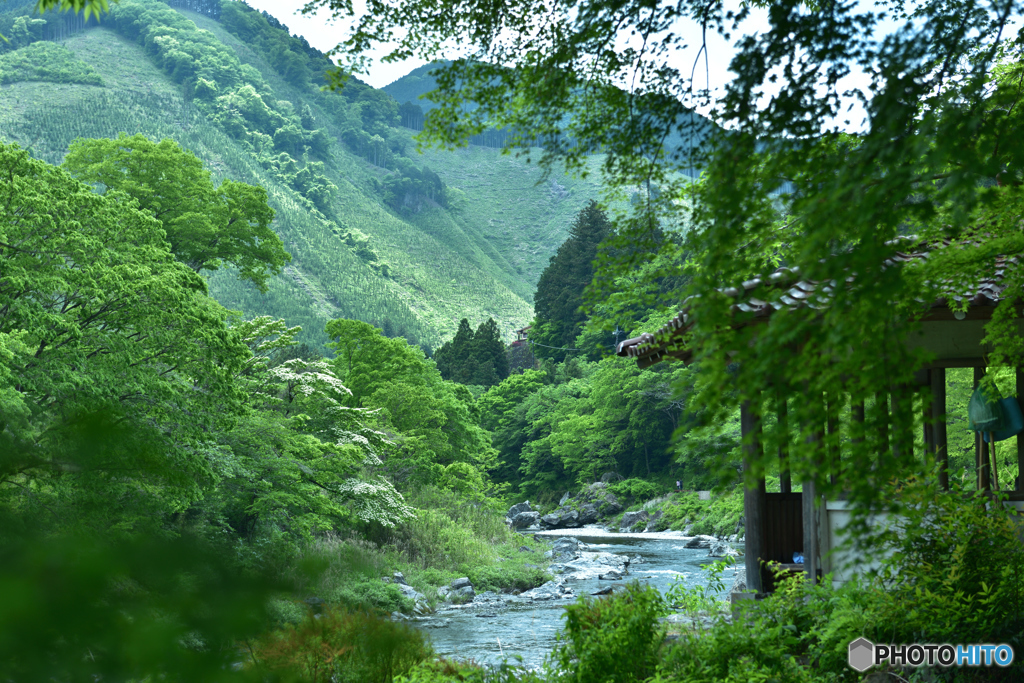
(206, 226)
(931, 158)
(474, 358)
(559, 299)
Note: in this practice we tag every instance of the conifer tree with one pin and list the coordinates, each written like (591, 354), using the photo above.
(477, 359)
(560, 289)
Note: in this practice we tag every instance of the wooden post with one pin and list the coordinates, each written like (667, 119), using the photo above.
(832, 443)
(980, 446)
(1020, 437)
(902, 423)
(937, 379)
(857, 415)
(753, 495)
(809, 501)
(782, 410)
(926, 417)
(882, 422)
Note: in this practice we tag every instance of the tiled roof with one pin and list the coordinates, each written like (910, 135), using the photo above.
(649, 348)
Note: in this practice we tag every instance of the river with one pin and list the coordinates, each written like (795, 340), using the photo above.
(493, 628)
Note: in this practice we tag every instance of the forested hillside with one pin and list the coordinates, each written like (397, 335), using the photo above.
(376, 231)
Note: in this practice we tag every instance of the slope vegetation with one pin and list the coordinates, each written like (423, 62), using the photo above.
(377, 232)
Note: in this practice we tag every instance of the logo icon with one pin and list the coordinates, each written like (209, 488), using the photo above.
(862, 654)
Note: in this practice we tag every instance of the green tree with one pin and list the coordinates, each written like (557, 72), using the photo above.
(559, 298)
(928, 157)
(474, 358)
(206, 226)
(97, 315)
(432, 423)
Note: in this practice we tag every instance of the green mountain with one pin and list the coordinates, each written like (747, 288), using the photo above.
(686, 139)
(378, 232)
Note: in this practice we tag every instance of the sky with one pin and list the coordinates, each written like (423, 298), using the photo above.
(324, 34)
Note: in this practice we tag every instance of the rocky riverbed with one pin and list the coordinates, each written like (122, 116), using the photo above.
(489, 627)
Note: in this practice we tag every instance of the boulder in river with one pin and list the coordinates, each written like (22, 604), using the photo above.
(610, 505)
(549, 591)
(631, 520)
(610, 575)
(461, 583)
(560, 519)
(464, 592)
(722, 549)
(399, 577)
(565, 499)
(739, 581)
(517, 508)
(702, 542)
(525, 519)
(565, 549)
(589, 514)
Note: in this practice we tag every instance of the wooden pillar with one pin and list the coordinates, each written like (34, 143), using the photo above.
(882, 422)
(753, 495)
(981, 459)
(808, 499)
(937, 380)
(782, 413)
(1020, 437)
(901, 398)
(857, 418)
(832, 443)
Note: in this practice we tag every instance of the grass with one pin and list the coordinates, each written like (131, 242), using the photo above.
(449, 539)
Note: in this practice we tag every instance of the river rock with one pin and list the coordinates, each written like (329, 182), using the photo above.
(610, 575)
(465, 592)
(722, 549)
(610, 505)
(410, 592)
(560, 519)
(518, 508)
(589, 514)
(702, 542)
(525, 519)
(739, 580)
(608, 590)
(565, 549)
(444, 591)
(461, 583)
(399, 577)
(485, 597)
(655, 523)
(565, 499)
(631, 520)
(549, 591)
(590, 565)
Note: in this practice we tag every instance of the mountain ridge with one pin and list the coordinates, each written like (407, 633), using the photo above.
(385, 252)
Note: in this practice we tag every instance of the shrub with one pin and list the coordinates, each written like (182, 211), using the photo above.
(343, 646)
(612, 639)
(371, 595)
(639, 490)
(497, 577)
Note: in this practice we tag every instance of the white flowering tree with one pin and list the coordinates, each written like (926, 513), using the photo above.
(299, 460)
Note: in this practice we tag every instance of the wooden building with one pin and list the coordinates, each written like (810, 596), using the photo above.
(781, 524)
